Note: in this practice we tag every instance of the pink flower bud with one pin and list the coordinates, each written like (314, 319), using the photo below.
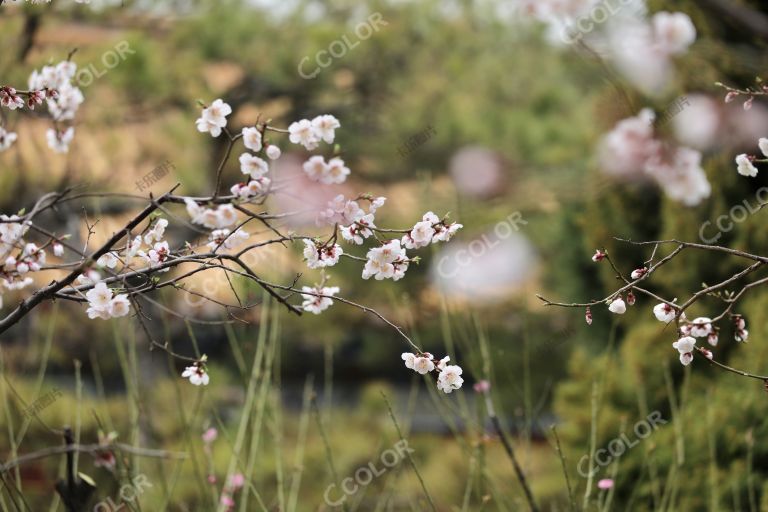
(731, 96)
(588, 316)
(631, 298)
(639, 272)
(598, 256)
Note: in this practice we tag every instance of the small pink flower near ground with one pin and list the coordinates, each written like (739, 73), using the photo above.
(210, 435)
(605, 483)
(482, 386)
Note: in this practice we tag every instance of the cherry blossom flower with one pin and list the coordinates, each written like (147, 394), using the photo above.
(119, 306)
(316, 168)
(336, 172)
(631, 298)
(210, 435)
(450, 378)
(252, 139)
(712, 338)
(58, 249)
(225, 239)
(745, 167)
(59, 141)
(315, 304)
(321, 256)
(251, 189)
(482, 386)
(156, 233)
(763, 144)
(302, 132)
(701, 327)
(409, 358)
(420, 235)
(9, 99)
(423, 364)
(598, 256)
(617, 306)
(638, 273)
(214, 118)
(679, 173)
(664, 312)
(588, 316)
(253, 166)
(386, 262)
(685, 347)
(6, 139)
(197, 374)
(674, 32)
(103, 305)
(360, 230)
(108, 260)
(324, 127)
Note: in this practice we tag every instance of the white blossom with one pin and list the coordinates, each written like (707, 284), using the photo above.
(59, 141)
(321, 256)
(108, 260)
(386, 262)
(315, 304)
(324, 127)
(253, 166)
(6, 139)
(617, 306)
(196, 374)
(450, 378)
(214, 118)
(664, 312)
(316, 168)
(252, 139)
(745, 167)
(674, 32)
(763, 144)
(685, 347)
(302, 132)
(701, 327)
(156, 233)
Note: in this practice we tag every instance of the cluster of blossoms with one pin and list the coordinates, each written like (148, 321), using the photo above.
(318, 298)
(428, 231)
(310, 133)
(321, 255)
(642, 48)
(226, 239)
(52, 84)
(103, 304)
(19, 257)
(223, 216)
(354, 223)
(327, 173)
(386, 262)
(449, 376)
(689, 330)
(745, 164)
(631, 151)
